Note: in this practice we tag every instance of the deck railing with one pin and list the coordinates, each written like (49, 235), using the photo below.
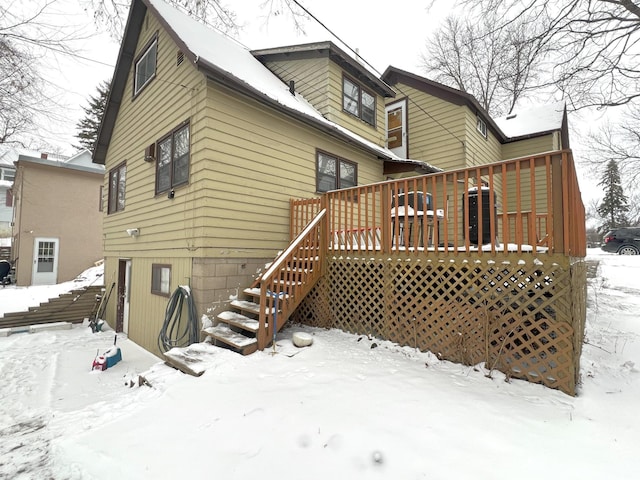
(530, 204)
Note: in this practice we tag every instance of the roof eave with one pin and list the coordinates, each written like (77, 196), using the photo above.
(119, 79)
(230, 81)
(449, 94)
(336, 54)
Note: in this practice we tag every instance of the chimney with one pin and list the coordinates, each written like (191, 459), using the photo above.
(292, 87)
(43, 156)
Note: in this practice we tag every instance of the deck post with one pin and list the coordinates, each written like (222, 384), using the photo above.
(385, 217)
(558, 205)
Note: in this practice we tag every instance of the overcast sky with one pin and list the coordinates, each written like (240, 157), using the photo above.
(376, 32)
(381, 35)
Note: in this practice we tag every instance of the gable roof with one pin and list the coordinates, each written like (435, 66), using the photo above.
(393, 75)
(329, 50)
(225, 61)
(518, 125)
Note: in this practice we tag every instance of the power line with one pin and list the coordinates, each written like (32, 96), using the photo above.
(357, 54)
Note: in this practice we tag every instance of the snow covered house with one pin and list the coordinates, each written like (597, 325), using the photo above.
(57, 224)
(207, 145)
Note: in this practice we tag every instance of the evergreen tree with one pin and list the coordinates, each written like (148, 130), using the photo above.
(88, 127)
(614, 206)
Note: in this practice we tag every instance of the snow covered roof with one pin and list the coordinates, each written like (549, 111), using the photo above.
(327, 48)
(521, 123)
(89, 168)
(531, 121)
(11, 155)
(225, 60)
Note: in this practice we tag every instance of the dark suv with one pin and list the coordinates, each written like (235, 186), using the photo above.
(624, 240)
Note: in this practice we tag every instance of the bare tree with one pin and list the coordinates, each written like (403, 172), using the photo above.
(112, 14)
(619, 141)
(596, 44)
(496, 64)
(27, 29)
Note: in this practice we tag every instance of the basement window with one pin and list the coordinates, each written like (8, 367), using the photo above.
(160, 279)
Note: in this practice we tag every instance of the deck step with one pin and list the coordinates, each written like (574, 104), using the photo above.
(238, 320)
(255, 292)
(250, 307)
(223, 333)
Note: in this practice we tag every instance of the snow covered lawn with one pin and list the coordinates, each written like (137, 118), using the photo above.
(347, 407)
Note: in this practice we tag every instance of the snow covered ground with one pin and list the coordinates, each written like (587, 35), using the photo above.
(339, 409)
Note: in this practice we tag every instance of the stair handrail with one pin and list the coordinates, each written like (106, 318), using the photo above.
(289, 300)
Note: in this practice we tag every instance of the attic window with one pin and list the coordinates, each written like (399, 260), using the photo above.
(481, 125)
(358, 101)
(179, 58)
(146, 66)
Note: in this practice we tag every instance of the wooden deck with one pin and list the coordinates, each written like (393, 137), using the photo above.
(482, 265)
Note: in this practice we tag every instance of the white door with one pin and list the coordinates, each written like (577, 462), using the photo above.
(127, 296)
(396, 124)
(45, 261)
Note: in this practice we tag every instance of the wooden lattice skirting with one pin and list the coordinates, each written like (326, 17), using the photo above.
(523, 315)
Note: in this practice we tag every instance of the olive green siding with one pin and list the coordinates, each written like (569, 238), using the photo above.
(375, 134)
(531, 146)
(479, 150)
(319, 80)
(146, 310)
(254, 161)
(175, 95)
(439, 142)
(311, 79)
(246, 161)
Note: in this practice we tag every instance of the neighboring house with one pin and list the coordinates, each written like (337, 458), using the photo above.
(7, 174)
(205, 143)
(57, 231)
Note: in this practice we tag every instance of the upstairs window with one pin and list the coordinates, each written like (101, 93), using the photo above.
(358, 101)
(481, 126)
(334, 173)
(146, 66)
(117, 186)
(7, 174)
(172, 167)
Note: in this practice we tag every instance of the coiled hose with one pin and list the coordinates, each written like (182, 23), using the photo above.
(174, 332)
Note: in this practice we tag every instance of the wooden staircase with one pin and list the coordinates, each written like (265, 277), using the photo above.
(249, 324)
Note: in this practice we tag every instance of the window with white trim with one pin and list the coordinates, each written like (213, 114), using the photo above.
(145, 67)
(481, 125)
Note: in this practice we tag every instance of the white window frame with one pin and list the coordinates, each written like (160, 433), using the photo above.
(151, 49)
(481, 126)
